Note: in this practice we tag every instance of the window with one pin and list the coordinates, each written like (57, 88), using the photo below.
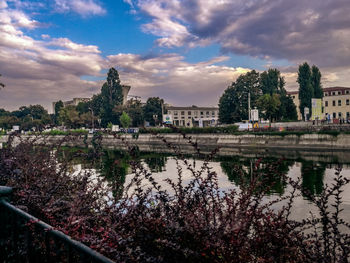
(293, 97)
(325, 94)
(213, 113)
(189, 112)
(326, 103)
(189, 117)
(202, 112)
(333, 93)
(182, 113)
(339, 102)
(334, 115)
(347, 102)
(339, 114)
(339, 92)
(347, 115)
(347, 92)
(333, 103)
(182, 117)
(175, 113)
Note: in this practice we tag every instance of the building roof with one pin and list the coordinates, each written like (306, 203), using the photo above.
(336, 88)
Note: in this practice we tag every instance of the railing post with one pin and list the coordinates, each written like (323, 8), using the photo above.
(5, 193)
(5, 196)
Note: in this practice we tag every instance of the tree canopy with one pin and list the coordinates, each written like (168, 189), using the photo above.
(233, 104)
(153, 107)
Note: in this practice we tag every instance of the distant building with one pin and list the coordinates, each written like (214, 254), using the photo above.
(76, 101)
(73, 102)
(193, 116)
(335, 102)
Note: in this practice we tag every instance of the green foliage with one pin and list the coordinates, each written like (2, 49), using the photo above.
(111, 96)
(288, 110)
(194, 130)
(269, 105)
(305, 87)
(271, 82)
(69, 116)
(125, 120)
(135, 111)
(59, 132)
(153, 107)
(233, 104)
(316, 82)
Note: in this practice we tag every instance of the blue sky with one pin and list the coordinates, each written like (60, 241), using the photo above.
(185, 51)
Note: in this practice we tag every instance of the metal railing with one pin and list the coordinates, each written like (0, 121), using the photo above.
(24, 238)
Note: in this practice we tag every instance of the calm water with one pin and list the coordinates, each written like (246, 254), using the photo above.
(114, 166)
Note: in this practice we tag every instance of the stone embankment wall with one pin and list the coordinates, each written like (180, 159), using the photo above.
(228, 144)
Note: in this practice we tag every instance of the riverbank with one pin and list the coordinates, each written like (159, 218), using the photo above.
(311, 146)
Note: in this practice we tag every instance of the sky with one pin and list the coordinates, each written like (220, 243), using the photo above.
(184, 51)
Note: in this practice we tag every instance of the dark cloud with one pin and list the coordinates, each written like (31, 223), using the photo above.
(312, 30)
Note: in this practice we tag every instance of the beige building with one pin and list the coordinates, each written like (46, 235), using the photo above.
(335, 103)
(193, 116)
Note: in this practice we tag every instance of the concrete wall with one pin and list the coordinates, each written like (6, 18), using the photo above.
(310, 145)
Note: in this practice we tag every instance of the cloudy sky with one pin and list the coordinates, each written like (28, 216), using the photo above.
(185, 51)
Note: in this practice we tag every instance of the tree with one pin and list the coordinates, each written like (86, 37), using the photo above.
(269, 105)
(125, 120)
(305, 87)
(288, 110)
(233, 104)
(134, 109)
(271, 82)
(316, 82)
(153, 107)
(111, 95)
(69, 116)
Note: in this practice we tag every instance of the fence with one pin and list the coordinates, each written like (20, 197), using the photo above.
(24, 238)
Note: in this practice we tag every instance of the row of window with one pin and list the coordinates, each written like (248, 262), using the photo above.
(195, 113)
(333, 93)
(334, 103)
(340, 115)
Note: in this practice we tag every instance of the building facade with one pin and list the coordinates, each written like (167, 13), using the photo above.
(335, 103)
(193, 116)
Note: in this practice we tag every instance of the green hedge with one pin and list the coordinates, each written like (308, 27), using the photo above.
(59, 132)
(196, 130)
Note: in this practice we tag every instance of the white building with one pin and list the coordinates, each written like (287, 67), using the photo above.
(193, 116)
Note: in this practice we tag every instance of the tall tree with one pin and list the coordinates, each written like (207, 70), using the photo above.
(69, 116)
(305, 87)
(271, 82)
(233, 104)
(316, 82)
(111, 95)
(153, 107)
(288, 110)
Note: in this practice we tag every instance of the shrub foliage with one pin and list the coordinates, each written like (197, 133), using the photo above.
(195, 222)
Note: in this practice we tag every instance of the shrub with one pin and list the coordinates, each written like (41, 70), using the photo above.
(196, 222)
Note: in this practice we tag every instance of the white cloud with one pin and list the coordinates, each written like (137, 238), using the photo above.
(82, 7)
(178, 82)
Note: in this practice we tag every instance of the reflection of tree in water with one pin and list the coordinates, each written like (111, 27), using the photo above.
(313, 174)
(114, 166)
(270, 172)
(155, 162)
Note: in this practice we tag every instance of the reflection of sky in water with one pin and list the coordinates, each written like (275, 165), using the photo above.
(301, 206)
